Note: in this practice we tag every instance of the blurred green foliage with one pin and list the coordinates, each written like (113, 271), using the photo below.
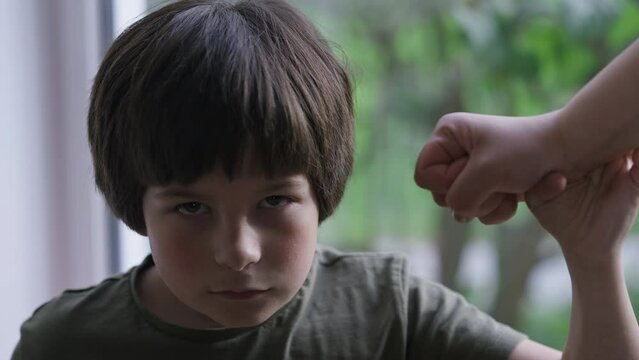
(411, 59)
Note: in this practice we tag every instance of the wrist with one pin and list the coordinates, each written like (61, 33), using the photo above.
(557, 145)
(585, 141)
(600, 265)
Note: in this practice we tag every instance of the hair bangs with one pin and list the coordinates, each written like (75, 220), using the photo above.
(219, 104)
(202, 84)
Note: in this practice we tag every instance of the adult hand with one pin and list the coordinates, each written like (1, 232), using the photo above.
(593, 215)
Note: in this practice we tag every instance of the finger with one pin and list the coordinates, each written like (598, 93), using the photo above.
(440, 199)
(461, 219)
(548, 188)
(504, 211)
(623, 185)
(439, 177)
(612, 169)
(438, 164)
(442, 147)
(629, 166)
(471, 188)
(490, 204)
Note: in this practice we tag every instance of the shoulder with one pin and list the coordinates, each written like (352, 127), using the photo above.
(355, 296)
(381, 269)
(65, 319)
(382, 274)
(364, 268)
(442, 323)
(371, 280)
(437, 321)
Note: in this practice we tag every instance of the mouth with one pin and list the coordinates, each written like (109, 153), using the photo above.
(244, 294)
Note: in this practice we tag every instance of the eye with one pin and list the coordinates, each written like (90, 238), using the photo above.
(191, 208)
(275, 201)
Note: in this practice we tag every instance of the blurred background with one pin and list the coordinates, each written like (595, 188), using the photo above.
(412, 61)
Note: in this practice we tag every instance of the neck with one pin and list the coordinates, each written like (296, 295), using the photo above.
(161, 302)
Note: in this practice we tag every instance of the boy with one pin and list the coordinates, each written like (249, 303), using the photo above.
(224, 132)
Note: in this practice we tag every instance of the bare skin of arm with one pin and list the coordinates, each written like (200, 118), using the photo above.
(602, 120)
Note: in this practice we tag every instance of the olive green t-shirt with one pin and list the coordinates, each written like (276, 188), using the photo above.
(352, 306)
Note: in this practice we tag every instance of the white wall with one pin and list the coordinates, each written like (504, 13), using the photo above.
(52, 221)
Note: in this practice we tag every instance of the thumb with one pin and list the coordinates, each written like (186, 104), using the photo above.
(628, 183)
(548, 188)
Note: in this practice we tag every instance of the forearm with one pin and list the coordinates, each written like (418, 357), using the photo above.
(602, 119)
(602, 325)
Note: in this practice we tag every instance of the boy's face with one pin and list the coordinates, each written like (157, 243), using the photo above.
(236, 250)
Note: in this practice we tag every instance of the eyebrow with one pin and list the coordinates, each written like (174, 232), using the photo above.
(178, 191)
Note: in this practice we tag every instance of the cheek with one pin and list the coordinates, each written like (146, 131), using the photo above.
(292, 247)
(176, 249)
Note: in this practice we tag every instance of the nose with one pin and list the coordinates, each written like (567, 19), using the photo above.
(237, 246)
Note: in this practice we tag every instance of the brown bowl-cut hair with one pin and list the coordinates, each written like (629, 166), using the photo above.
(198, 84)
